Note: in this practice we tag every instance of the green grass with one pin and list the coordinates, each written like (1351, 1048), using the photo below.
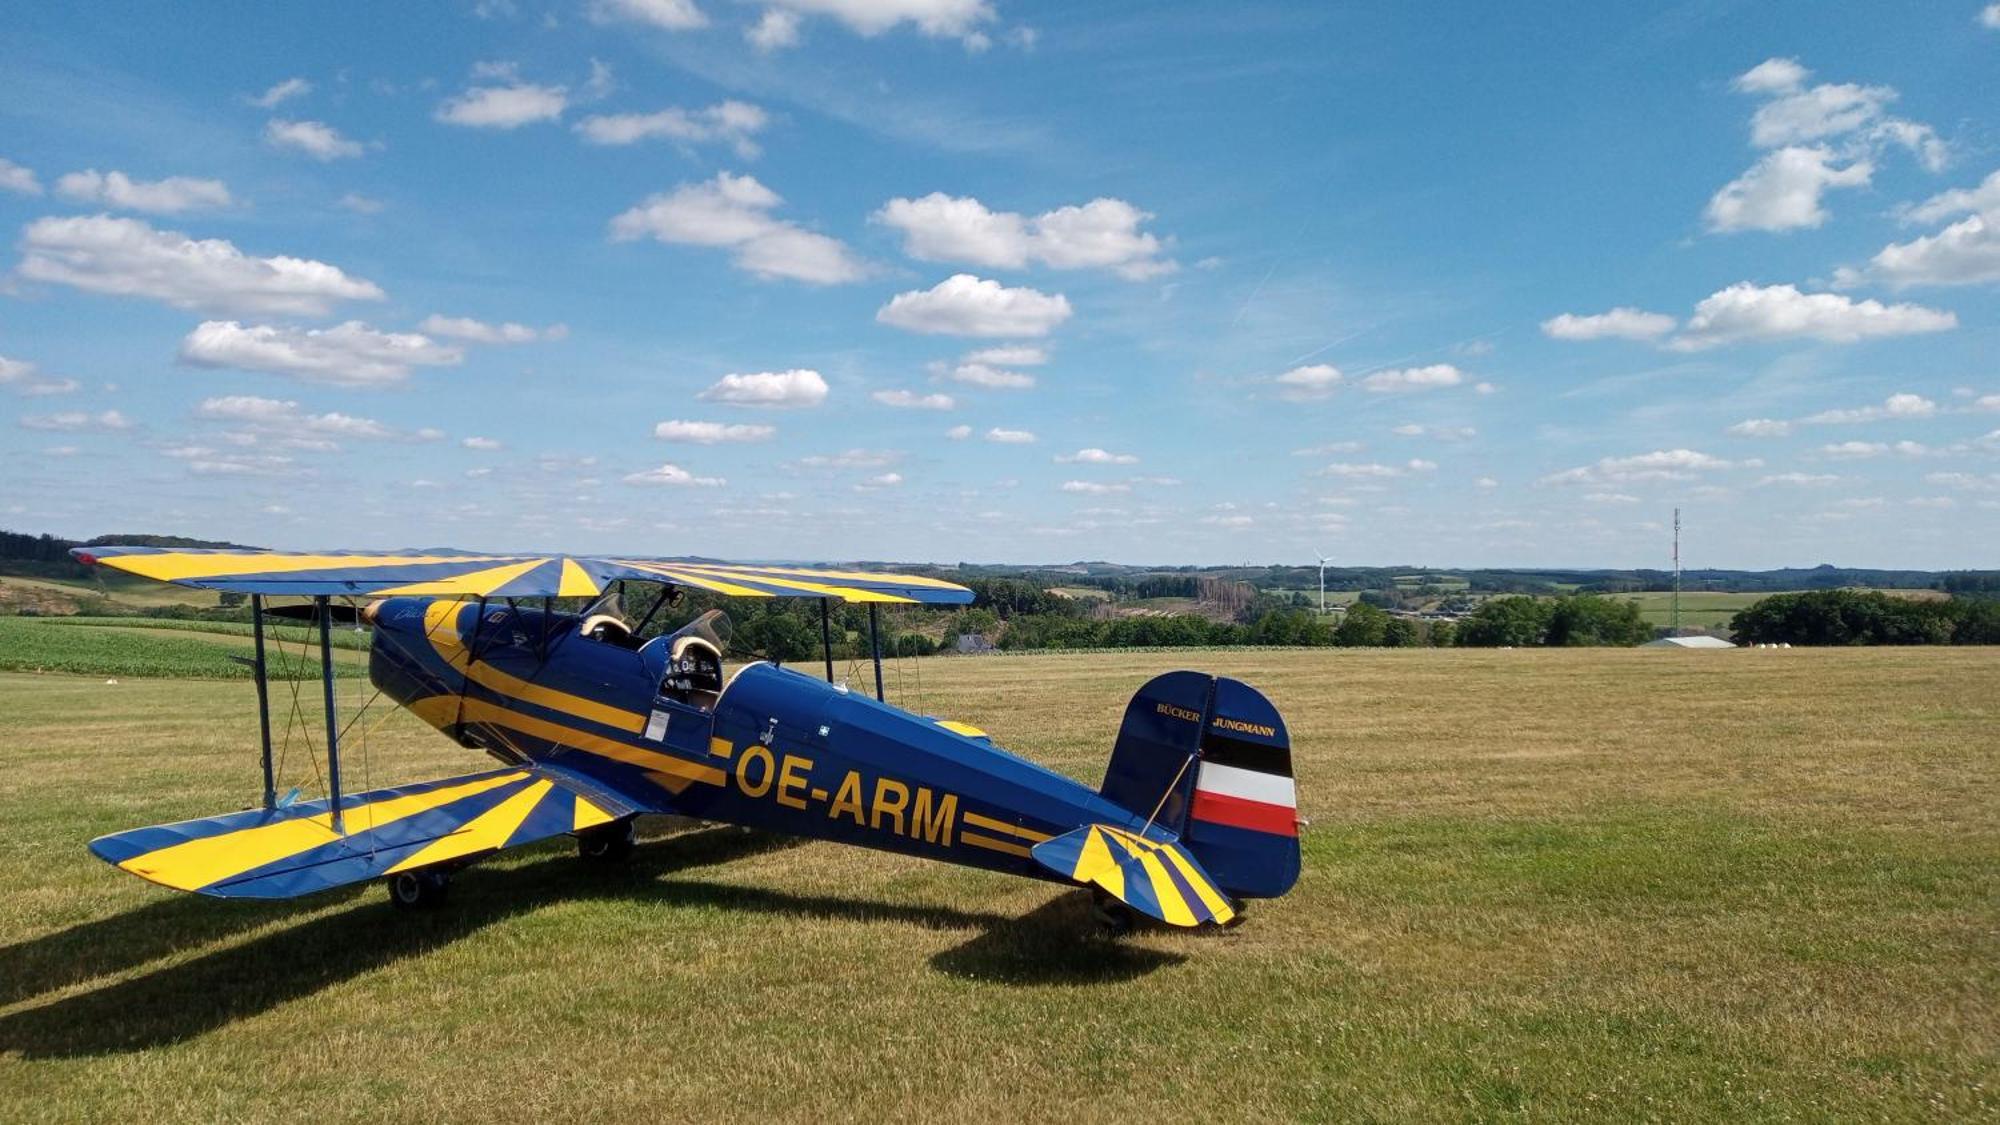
(142, 647)
(1700, 609)
(1548, 885)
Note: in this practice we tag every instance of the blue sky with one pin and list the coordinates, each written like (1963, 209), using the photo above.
(998, 281)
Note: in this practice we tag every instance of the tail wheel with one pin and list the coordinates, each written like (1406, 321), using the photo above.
(612, 843)
(1114, 918)
(418, 890)
(1239, 909)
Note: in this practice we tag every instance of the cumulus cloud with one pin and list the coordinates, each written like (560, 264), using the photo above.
(1854, 449)
(1761, 427)
(508, 106)
(1101, 234)
(735, 212)
(1772, 76)
(964, 305)
(959, 432)
(1375, 470)
(1659, 465)
(911, 400)
(673, 475)
(316, 139)
(77, 421)
(1965, 253)
(285, 415)
(1094, 488)
(17, 179)
(169, 196)
(1902, 406)
(350, 354)
(126, 257)
(479, 332)
(1621, 323)
(1010, 355)
(668, 15)
(24, 378)
(731, 122)
(1441, 433)
(1095, 456)
(1401, 380)
(482, 444)
(284, 91)
(936, 19)
(1782, 191)
(881, 480)
(852, 459)
(712, 433)
(1010, 437)
(1989, 17)
(986, 375)
(1304, 384)
(799, 387)
(1984, 198)
(1748, 313)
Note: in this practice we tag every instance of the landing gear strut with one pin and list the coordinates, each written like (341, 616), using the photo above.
(610, 843)
(419, 890)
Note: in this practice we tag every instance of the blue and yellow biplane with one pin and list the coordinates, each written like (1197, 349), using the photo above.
(594, 727)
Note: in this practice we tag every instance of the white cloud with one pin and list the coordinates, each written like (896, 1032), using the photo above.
(798, 387)
(1971, 482)
(1964, 253)
(911, 400)
(1772, 76)
(1826, 110)
(1095, 456)
(852, 459)
(1801, 479)
(712, 433)
(1761, 427)
(26, 379)
(964, 305)
(731, 122)
(1094, 488)
(1375, 470)
(735, 212)
(169, 196)
(17, 179)
(350, 354)
(1486, 483)
(1010, 355)
(1610, 498)
(1895, 406)
(1745, 313)
(1620, 323)
(1328, 448)
(314, 138)
(674, 475)
(1933, 502)
(359, 204)
(1010, 437)
(1855, 449)
(937, 19)
(1304, 384)
(1101, 234)
(284, 415)
(1441, 433)
(482, 444)
(884, 480)
(75, 421)
(774, 31)
(504, 107)
(985, 375)
(668, 15)
(1958, 201)
(959, 432)
(1782, 191)
(479, 332)
(1661, 464)
(128, 258)
(283, 91)
(1400, 380)
(1989, 17)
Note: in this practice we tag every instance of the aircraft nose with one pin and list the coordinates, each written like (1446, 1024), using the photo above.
(371, 611)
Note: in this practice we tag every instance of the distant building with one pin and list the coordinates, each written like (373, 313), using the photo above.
(1688, 642)
(972, 644)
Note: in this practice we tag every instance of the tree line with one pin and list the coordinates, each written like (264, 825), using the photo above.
(1868, 617)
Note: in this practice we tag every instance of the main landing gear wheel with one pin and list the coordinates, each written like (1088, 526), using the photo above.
(611, 843)
(1114, 918)
(419, 890)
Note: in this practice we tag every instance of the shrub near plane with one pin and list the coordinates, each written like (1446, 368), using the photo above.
(594, 728)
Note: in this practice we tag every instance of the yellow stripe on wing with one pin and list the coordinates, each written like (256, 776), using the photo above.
(194, 864)
(483, 833)
(576, 583)
(466, 585)
(176, 567)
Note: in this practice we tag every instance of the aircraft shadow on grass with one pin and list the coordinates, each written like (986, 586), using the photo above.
(1049, 945)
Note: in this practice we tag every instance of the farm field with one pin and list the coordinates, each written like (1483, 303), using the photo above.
(1700, 609)
(57, 595)
(1549, 884)
(140, 646)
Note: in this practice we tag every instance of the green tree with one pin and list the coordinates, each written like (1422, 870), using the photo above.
(1400, 632)
(1515, 621)
(1591, 620)
(1441, 634)
(1362, 626)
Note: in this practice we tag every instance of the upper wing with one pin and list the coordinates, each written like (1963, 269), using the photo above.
(463, 574)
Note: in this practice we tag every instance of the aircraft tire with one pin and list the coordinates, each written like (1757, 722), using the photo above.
(419, 890)
(612, 843)
(1114, 918)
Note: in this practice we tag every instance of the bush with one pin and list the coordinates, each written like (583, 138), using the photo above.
(1866, 617)
(1507, 622)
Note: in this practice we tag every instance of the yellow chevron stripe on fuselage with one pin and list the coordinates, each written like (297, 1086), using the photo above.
(485, 832)
(441, 626)
(194, 864)
(443, 710)
(992, 845)
(1002, 827)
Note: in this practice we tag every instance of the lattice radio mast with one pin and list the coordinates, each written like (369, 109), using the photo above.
(1677, 572)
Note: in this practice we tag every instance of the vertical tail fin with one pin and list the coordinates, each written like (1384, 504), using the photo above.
(1209, 758)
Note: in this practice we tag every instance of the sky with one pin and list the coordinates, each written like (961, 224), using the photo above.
(986, 280)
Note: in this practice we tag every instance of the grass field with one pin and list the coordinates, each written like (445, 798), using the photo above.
(1550, 885)
(1700, 609)
(141, 646)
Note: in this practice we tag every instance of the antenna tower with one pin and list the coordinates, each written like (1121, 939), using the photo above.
(1677, 571)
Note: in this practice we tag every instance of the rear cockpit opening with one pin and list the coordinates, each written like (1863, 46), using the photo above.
(694, 660)
(604, 621)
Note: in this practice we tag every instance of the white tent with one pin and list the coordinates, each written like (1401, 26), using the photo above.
(1688, 642)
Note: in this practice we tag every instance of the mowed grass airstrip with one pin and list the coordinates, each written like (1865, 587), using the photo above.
(1750, 885)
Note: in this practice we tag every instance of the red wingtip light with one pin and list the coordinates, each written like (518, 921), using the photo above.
(87, 560)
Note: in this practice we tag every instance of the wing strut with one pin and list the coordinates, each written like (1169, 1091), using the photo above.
(321, 603)
(875, 647)
(826, 634)
(263, 700)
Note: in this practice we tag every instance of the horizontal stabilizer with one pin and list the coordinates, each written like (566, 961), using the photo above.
(1158, 878)
(292, 851)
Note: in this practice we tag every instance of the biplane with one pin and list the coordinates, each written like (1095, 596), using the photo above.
(593, 727)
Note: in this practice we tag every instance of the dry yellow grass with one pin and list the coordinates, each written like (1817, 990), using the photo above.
(1553, 884)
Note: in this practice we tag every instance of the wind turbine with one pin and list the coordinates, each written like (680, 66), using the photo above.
(1322, 582)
